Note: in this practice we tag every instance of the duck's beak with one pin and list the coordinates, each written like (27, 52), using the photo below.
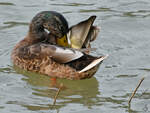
(63, 41)
(81, 34)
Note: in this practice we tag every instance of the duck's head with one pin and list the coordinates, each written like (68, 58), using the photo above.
(49, 22)
(80, 35)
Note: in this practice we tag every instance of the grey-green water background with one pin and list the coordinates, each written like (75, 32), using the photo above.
(125, 36)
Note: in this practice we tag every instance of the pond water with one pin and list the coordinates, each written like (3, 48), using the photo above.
(125, 36)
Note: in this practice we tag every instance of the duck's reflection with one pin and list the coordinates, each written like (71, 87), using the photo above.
(83, 92)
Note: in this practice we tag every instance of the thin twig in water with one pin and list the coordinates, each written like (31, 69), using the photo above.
(57, 93)
(135, 90)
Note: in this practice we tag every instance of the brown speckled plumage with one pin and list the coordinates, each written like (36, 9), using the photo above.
(34, 54)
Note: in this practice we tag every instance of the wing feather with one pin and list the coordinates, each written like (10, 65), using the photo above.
(59, 54)
(78, 33)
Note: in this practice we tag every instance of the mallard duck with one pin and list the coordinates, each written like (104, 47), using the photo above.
(33, 53)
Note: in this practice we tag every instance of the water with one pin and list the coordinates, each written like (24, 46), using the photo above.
(124, 36)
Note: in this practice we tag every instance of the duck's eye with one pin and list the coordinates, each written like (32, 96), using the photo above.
(45, 25)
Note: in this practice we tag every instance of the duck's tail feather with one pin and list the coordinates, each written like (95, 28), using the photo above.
(93, 64)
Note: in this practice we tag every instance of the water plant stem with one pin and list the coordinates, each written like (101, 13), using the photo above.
(57, 93)
(135, 90)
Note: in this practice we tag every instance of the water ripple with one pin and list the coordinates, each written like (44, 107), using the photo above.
(11, 24)
(126, 76)
(6, 3)
(73, 4)
(6, 70)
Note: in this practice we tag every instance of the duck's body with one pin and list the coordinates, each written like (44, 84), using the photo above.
(37, 57)
(34, 54)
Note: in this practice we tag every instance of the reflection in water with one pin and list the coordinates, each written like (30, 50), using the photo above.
(130, 110)
(83, 92)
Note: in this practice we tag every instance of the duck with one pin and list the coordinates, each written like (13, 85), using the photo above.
(40, 52)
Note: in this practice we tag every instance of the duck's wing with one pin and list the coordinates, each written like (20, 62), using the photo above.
(93, 63)
(78, 33)
(91, 36)
(59, 54)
